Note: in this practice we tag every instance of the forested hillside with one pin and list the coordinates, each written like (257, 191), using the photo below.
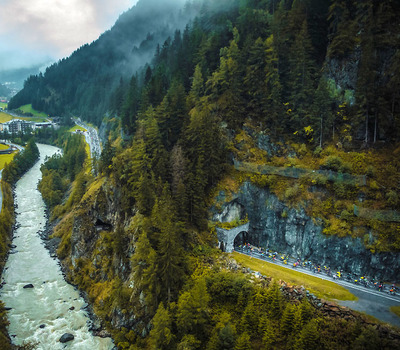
(81, 84)
(320, 75)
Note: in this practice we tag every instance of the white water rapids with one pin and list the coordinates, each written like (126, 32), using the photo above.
(44, 313)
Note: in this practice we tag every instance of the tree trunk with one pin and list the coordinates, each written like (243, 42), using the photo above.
(320, 136)
(366, 127)
(375, 128)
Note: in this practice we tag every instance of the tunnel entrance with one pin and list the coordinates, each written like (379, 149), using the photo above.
(103, 226)
(241, 238)
(226, 238)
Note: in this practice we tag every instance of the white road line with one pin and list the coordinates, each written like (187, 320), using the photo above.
(341, 283)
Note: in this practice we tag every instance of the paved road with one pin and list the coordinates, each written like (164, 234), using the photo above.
(370, 301)
(1, 192)
(92, 138)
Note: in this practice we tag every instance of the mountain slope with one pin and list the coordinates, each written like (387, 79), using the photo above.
(248, 82)
(81, 83)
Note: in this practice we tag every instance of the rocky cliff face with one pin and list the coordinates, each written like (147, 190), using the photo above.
(96, 255)
(288, 230)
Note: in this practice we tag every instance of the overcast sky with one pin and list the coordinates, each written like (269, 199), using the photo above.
(38, 31)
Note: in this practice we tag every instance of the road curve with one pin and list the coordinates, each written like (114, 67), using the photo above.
(1, 192)
(371, 302)
(92, 138)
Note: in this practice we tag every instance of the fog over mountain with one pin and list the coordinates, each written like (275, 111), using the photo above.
(93, 70)
(37, 33)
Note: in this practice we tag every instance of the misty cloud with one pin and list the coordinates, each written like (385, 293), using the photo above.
(32, 31)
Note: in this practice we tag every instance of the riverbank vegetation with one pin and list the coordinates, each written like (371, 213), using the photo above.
(21, 162)
(64, 172)
(11, 173)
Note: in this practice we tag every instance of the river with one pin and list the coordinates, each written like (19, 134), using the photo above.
(53, 307)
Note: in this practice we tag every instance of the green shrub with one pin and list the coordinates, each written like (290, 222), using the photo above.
(317, 151)
(292, 192)
(392, 198)
(332, 163)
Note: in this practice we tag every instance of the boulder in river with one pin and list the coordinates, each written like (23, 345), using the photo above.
(30, 285)
(66, 337)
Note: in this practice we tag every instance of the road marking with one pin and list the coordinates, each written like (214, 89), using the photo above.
(326, 278)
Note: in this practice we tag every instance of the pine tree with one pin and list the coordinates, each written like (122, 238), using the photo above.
(243, 342)
(223, 334)
(322, 114)
(193, 312)
(189, 342)
(274, 301)
(309, 337)
(302, 77)
(131, 107)
(144, 269)
(343, 30)
(250, 319)
(270, 334)
(274, 112)
(197, 88)
(255, 81)
(287, 320)
(366, 91)
(225, 88)
(171, 260)
(161, 336)
(171, 114)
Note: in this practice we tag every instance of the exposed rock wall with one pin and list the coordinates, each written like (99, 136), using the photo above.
(289, 230)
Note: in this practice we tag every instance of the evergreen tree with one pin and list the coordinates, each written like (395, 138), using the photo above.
(274, 300)
(250, 319)
(171, 114)
(193, 312)
(302, 77)
(161, 336)
(287, 320)
(197, 88)
(131, 106)
(274, 89)
(189, 342)
(223, 335)
(144, 269)
(171, 260)
(343, 30)
(255, 81)
(322, 117)
(309, 337)
(225, 88)
(243, 342)
(270, 334)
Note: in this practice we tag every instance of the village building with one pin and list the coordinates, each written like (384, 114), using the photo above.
(15, 126)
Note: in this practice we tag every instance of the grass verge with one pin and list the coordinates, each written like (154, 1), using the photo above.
(321, 288)
(4, 117)
(395, 310)
(76, 127)
(6, 158)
